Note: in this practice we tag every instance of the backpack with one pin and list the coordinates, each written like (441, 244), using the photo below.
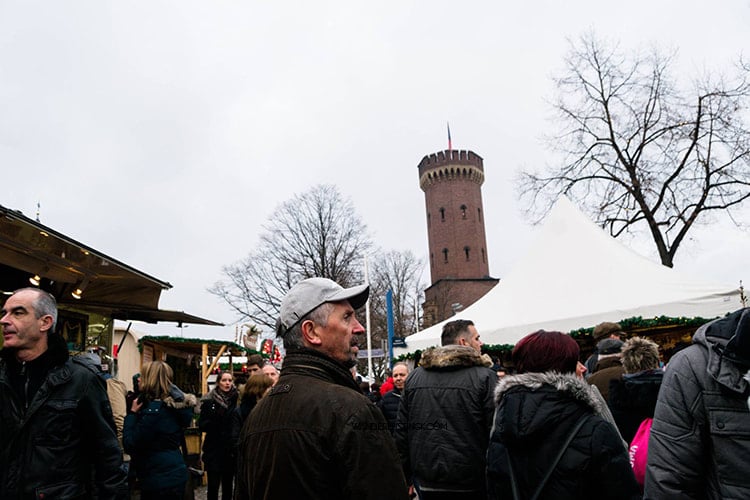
(638, 451)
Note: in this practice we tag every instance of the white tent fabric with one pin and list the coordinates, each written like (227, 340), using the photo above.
(576, 276)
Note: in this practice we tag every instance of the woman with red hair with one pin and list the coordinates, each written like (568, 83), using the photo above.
(552, 436)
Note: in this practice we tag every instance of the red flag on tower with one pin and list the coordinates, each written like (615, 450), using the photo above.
(450, 144)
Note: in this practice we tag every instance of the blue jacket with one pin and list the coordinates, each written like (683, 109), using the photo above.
(153, 437)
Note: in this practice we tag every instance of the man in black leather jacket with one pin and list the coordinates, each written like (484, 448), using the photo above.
(57, 434)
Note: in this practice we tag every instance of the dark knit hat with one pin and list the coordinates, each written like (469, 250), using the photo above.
(606, 329)
(609, 346)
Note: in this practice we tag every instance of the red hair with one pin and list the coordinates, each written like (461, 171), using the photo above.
(543, 351)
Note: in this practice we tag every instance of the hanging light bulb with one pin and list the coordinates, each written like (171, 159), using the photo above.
(79, 289)
(35, 280)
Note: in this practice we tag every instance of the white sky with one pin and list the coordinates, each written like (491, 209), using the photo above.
(164, 133)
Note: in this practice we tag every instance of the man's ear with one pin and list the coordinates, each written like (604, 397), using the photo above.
(462, 341)
(46, 325)
(310, 334)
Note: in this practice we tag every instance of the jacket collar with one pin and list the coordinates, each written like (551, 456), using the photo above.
(450, 357)
(309, 362)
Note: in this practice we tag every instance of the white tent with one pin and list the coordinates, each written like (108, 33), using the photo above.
(576, 276)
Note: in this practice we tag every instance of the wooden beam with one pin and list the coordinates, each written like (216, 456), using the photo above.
(204, 369)
(213, 364)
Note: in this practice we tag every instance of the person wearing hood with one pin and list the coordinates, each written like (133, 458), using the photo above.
(216, 421)
(700, 436)
(445, 416)
(551, 438)
(154, 431)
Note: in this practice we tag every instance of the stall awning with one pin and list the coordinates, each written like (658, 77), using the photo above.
(30, 249)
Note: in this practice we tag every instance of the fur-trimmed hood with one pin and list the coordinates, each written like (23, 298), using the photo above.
(452, 357)
(187, 401)
(532, 403)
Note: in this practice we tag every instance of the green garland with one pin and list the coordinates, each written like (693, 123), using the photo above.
(628, 324)
(183, 340)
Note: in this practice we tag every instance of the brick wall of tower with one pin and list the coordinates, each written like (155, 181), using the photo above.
(452, 183)
(458, 258)
(441, 296)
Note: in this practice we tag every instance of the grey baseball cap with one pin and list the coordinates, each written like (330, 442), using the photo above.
(308, 294)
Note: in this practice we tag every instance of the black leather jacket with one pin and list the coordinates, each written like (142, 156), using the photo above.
(64, 444)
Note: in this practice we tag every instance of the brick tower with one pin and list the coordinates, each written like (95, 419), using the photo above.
(452, 184)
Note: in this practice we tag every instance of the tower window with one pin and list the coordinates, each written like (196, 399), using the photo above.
(463, 211)
(445, 255)
(442, 214)
(479, 214)
(466, 252)
(432, 260)
(428, 219)
(483, 258)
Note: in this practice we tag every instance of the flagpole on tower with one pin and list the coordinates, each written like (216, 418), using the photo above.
(450, 143)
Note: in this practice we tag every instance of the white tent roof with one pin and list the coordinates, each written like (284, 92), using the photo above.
(576, 276)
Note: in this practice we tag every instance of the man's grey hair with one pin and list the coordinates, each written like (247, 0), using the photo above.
(402, 363)
(44, 304)
(293, 337)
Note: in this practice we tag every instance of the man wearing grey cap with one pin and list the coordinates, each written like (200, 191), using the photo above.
(315, 435)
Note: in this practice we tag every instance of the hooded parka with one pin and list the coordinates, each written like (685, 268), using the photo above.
(700, 435)
(444, 420)
(536, 412)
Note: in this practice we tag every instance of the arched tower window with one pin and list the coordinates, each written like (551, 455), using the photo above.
(463, 211)
(442, 214)
(479, 214)
(445, 255)
(466, 252)
(432, 260)
(483, 258)
(428, 219)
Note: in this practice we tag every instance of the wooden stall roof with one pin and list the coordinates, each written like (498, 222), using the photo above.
(110, 287)
(194, 346)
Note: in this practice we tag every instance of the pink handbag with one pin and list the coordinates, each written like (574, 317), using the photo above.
(638, 451)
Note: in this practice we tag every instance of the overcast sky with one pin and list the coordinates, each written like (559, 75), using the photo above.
(165, 133)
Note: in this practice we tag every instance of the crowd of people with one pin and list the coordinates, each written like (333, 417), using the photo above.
(621, 425)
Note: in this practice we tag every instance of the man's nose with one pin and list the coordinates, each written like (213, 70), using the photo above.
(358, 328)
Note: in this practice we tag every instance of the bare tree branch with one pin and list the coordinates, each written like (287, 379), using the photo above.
(636, 150)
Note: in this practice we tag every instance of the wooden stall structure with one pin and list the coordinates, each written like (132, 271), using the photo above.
(192, 360)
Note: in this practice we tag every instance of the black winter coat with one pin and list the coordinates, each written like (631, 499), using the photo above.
(535, 414)
(153, 437)
(316, 436)
(237, 419)
(633, 399)
(216, 421)
(67, 435)
(389, 406)
(444, 420)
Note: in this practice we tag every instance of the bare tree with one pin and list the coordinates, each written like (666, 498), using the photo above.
(316, 233)
(400, 272)
(636, 148)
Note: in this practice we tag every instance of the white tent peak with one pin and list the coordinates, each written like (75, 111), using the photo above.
(574, 275)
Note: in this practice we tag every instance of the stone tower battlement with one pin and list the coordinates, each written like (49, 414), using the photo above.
(450, 165)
